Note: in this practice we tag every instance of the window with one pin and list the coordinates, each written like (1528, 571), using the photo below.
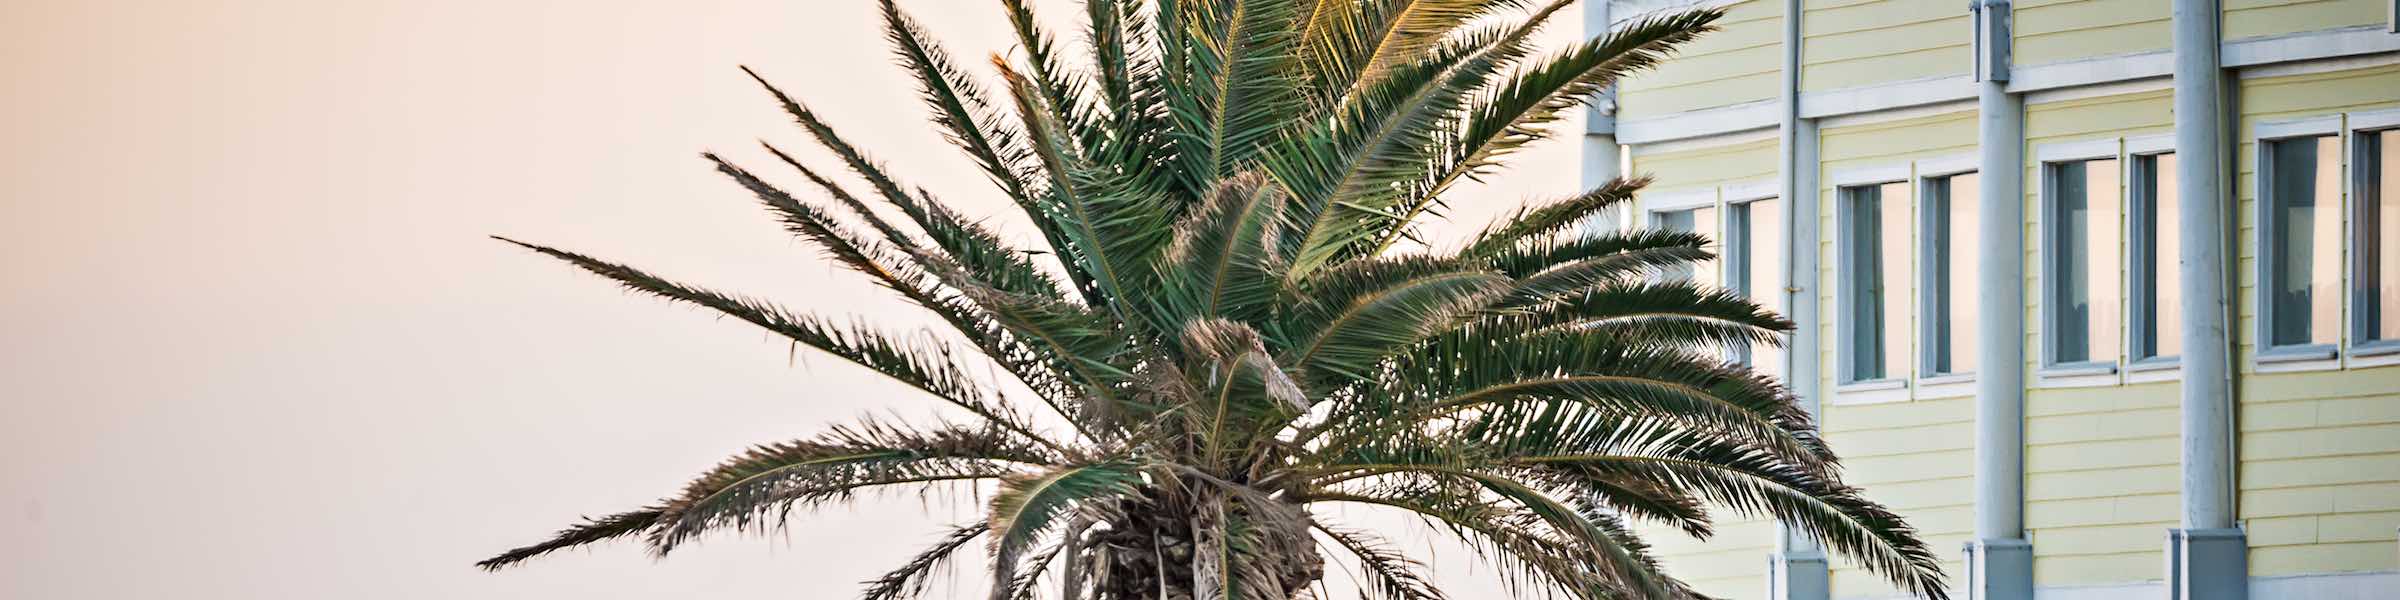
(2080, 262)
(1949, 275)
(1754, 263)
(1701, 220)
(2156, 269)
(2301, 254)
(1873, 276)
(2375, 273)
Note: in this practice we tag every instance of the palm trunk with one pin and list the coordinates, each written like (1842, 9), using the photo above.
(1154, 553)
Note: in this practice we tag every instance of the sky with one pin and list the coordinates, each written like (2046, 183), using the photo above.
(254, 341)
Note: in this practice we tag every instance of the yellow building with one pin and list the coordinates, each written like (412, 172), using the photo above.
(2030, 323)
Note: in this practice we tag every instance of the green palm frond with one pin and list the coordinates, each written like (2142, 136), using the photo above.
(1222, 262)
(1362, 316)
(1025, 507)
(754, 491)
(1544, 220)
(1215, 315)
(1519, 111)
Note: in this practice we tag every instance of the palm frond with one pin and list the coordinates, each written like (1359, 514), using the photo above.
(1111, 227)
(888, 188)
(1390, 574)
(1363, 316)
(1239, 81)
(1346, 170)
(910, 580)
(758, 489)
(1230, 339)
(928, 367)
(1025, 506)
(1222, 261)
(1536, 222)
(1519, 111)
(591, 531)
(959, 106)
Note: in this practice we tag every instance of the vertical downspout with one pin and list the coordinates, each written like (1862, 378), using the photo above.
(2208, 557)
(1999, 560)
(1602, 157)
(1798, 569)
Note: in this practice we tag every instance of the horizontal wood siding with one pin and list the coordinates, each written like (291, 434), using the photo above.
(2319, 451)
(1852, 43)
(2254, 18)
(1740, 63)
(2050, 31)
(1918, 457)
(1706, 167)
(1733, 563)
(2101, 463)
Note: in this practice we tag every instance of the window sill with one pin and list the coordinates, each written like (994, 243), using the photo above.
(1876, 391)
(2083, 374)
(2288, 359)
(1946, 379)
(2283, 354)
(1946, 385)
(2378, 353)
(2155, 369)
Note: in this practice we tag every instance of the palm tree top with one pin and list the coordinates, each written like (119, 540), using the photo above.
(1222, 331)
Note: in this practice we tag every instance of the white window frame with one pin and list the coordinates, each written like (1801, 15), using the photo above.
(2355, 352)
(2094, 372)
(1654, 206)
(2264, 356)
(1730, 195)
(2139, 369)
(1892, 387)
(1930, 385)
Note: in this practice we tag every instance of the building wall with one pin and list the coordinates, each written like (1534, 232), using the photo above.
(1915, 454)
(1732, 564)
(1741, 63)
(1686, 169)
(1851, 43)
(2319, 451)
(2254, 18)
(2101, 463)
(2050, 31)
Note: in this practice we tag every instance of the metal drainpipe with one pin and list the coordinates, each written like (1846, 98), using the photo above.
(1798, 569)
(1603, 159)
(2208, 556)
(1999, 560)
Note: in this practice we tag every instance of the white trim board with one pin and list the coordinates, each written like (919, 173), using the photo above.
(1749, 191)
(1763, 114)
(1677, 199)
(2366, 585)
(1944, 166)
(2258, 56)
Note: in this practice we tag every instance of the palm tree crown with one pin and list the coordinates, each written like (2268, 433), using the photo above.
(1224, 331)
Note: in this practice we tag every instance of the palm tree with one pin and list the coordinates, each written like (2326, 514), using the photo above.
(1230, 325)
